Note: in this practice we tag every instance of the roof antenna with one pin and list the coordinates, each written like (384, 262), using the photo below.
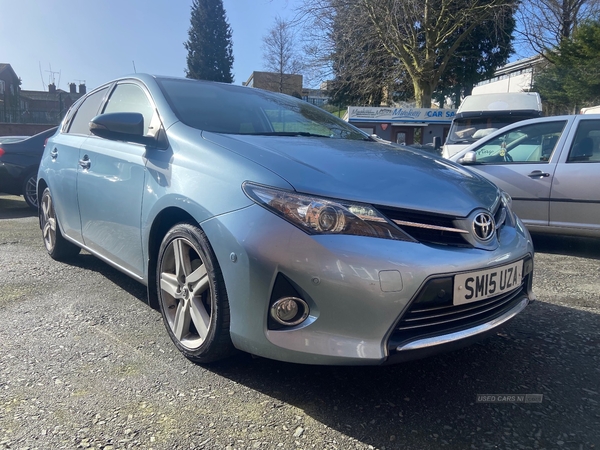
(134, 71)
(42, 77)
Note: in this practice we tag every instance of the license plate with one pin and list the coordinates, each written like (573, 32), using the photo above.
(474, 286)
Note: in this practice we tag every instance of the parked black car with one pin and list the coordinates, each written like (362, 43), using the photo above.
(19, 162)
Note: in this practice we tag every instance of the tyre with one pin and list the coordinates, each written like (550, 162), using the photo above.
(30, 190)
(56, 245)
(192, 296)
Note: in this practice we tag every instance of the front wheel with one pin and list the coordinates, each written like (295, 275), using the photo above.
(192, 296)
(56, 245)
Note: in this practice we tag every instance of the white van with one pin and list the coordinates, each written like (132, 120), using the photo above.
(482, 114)
(590, 110)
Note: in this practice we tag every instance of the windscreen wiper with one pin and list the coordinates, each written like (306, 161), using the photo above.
(288, 133)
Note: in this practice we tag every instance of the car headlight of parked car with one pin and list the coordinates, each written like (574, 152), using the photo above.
(316, 215)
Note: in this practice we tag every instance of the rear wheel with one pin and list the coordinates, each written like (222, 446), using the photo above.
(56, 245)
(192, 296)
(30, 190)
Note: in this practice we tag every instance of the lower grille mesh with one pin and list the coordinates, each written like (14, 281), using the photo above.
(427, 318)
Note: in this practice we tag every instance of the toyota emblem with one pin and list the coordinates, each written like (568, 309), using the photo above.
(483, 226)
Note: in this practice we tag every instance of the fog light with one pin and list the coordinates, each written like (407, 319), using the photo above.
(289, 311)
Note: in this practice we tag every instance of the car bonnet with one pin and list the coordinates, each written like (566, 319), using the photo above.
(368, 172)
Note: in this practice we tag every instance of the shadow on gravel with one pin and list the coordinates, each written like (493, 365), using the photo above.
(88, 262)
(13, 207)
(549, 350)
(566, 245)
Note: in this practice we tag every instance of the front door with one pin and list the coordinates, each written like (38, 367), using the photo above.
(522, 161)
(111, 181)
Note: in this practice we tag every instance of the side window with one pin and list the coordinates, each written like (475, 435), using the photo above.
(586, 145)
(87, 111)
(69, 117)
(528, 144)
(130, 98)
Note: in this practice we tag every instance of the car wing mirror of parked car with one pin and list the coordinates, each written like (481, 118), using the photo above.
(121, 126)
(468, 158)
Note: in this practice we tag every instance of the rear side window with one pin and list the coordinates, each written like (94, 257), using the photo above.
(86, 112)
(586, 145)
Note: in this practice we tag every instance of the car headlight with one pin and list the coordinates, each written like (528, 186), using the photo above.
(506, 199)
(315, 215)
(507, 202)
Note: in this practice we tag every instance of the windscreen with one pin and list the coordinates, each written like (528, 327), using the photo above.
(229, 109)
(468, 130)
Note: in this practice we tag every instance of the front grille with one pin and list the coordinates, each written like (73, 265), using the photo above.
(427, 228)
(429, 319)
(432, 313)
(440, 229)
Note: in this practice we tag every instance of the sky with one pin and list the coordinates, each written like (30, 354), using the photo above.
(75, 41)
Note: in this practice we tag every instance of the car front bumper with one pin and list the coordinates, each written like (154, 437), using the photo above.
(358, 289)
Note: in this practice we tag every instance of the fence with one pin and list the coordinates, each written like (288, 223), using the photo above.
(17, 115)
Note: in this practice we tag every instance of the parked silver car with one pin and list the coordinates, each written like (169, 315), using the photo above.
(550, 166)
(261, 223)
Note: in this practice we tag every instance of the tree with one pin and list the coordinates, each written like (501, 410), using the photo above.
(279, 51)
(364, 72)
(421, 35)
(543, 24)
(572, 80)
(485, 49)
(210, 48)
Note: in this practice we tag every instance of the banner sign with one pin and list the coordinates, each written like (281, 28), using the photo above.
(399, 115)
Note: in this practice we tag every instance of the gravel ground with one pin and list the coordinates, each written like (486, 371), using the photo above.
(85, 363)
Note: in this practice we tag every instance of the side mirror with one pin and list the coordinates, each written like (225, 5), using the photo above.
(122, 126)
(468, 158)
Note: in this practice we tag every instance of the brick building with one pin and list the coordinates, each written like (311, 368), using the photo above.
(24, 112)
(290, 84)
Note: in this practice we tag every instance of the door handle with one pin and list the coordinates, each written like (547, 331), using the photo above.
(85, 163)
(538, 174)
(54, 153)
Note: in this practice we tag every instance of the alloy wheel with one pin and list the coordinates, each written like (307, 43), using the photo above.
(48, 223)
(186, 293)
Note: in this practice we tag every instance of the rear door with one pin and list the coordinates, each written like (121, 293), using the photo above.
(575, 196)
(62, 158)
(522, 161)
(110, 182)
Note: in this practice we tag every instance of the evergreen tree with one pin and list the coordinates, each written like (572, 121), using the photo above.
(485, 49)
(210, 48)
(572, 80)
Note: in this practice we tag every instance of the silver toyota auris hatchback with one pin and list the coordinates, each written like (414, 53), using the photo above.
(261, 223)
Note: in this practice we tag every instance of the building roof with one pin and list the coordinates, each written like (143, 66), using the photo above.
(518, 65)
(4, 67)
(48, 96)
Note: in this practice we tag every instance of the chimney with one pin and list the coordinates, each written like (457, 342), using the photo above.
(82, 88)
(72, 88)
(52, 88)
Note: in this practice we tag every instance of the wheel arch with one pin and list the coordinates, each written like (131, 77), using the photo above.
(41, 186)
(162, 223)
